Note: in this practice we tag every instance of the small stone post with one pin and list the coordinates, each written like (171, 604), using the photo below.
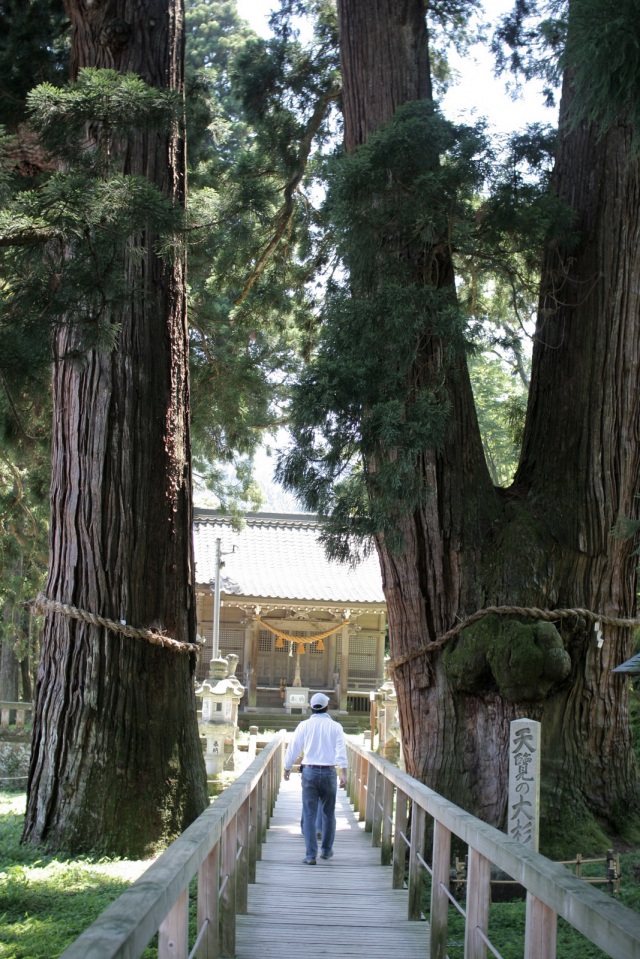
(523, 822)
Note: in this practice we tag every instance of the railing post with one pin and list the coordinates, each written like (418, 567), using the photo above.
(355, 781)
(399, 845)
(352, 784)
(376, 823)
(253, 834)
(387, 811)
(173, 932)
(228, 890)
(439, 911)
(264, 801)
(259, 825)
(372, 779)
(418, 818)
(362, 788)
(209, 905)
(351, 773)
(540, 931)
(242, 859)
(478, 897)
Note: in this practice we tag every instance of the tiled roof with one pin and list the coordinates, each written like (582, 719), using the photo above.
(279, 556)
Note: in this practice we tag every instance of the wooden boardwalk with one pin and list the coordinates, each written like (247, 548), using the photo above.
(342, 907)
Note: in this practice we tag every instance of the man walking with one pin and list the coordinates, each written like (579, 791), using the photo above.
(321, 741)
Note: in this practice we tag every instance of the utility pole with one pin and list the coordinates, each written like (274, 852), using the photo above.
(216, 602)
(216, 598)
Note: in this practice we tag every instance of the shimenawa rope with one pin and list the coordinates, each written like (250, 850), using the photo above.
(149, 635)
(532, 611)
(300, 640)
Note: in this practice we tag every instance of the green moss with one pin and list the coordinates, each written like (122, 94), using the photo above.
(569, 828)
(522, 659)
(466, 663)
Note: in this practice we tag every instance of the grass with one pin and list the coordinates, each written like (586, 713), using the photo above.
(46, 901)
(507, 919)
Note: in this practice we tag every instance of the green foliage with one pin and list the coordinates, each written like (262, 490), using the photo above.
(595, 43)
(33, 49)
(68, 237)
(24, 528)
(255, 236)
(360, 415)
(366, 408)
(602, 53)
(106, 103)
(529, 41)
(500, 404)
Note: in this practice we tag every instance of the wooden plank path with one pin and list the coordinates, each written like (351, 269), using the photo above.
(343, 907)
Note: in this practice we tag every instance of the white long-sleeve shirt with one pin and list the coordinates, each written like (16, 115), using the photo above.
(321, 741)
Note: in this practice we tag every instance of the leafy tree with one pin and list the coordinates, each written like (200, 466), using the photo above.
(501, 403)
(256, 237)
(389, 392)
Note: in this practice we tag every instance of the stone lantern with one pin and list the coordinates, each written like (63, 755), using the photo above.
(388, 726)
(221, 693)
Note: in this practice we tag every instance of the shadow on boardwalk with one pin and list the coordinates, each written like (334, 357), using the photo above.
(343, 907)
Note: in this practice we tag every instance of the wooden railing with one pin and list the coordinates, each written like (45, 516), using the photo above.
(22, 711)
(221, 849)
(383, 794)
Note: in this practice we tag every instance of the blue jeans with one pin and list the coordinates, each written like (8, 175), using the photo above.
(319, 786)
(318, 820)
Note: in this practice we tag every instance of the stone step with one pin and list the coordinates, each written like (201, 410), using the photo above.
(278, 719)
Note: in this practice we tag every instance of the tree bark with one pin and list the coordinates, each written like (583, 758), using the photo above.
(116, 762)
(547, 541)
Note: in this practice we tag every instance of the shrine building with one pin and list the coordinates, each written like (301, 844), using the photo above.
(295, 619)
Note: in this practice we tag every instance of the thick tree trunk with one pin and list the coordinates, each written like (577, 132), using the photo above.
(117, 763)
(546, 542)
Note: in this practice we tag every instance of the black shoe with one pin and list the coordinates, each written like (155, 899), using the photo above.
(327, 855)
(308, 862)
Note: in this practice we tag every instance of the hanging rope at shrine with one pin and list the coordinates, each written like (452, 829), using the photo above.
(300, 640)
(545, 614)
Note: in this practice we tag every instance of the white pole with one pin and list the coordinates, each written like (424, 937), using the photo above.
(216, 603)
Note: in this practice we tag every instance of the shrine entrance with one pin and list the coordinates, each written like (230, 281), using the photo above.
(277, 663)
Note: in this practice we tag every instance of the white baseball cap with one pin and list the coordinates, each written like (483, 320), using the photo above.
(319, 701)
